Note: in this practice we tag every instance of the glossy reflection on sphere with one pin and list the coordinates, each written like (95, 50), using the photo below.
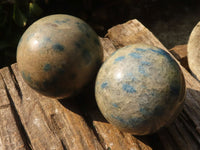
(58, 55)
(140, 89)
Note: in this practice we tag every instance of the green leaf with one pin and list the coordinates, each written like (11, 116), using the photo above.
(19, 18)
(34, 9)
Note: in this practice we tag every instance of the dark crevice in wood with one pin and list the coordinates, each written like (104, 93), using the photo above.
(23, 133)
(179, 133)
(63, 145)
(89, 122)
(46, 118)
(57, 129)
(4, 106)
(15, 82)
(178, 136)
(187, 116)
(167, 140)
(190, 127)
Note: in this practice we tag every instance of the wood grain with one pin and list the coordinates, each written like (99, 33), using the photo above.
(180, 52)
(10, 136)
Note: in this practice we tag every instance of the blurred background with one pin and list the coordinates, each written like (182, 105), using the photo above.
(170, 20)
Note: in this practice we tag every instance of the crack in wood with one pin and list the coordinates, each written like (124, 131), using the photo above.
(4, 106)
(189, 124)
(49, 124)
(63, 145)
(23, 133)
(89, 122)
(16, 84)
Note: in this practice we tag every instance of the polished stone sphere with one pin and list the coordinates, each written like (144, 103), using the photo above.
(140, 89)
(58, 55)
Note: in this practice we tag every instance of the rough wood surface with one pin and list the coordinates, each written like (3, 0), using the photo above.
(32, 121)
(180, 52)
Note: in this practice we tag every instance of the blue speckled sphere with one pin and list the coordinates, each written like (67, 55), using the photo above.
(140, 89)
(58, 55)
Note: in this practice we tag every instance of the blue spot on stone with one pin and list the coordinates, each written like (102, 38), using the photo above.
(58, 47)
(47, 39)
(26, 76)
(119, 59)
(83, 28)
(140, 49)
(142, 70)
(133, 122)
(153, 93)
(163, 53)
(113, 53)
(47, 67)
(30, 36)
(144, 111)
(142, 66)
(80, 43)
(146, 63)
(128, 88)
(135, 55)
(104, 85)
(86, 55)
(44, 42)
(119, 118)
(115, 105)
(129, 75)
(62, 21)
(159, 51)
(167, 56)
(96, 41)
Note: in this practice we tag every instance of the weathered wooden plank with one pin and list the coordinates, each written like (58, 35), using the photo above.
(106, 132)
(32, 117)
(69, 124)
(108, 47)
(134, 32)
(180, 52)
(10, 137)
(66, 124)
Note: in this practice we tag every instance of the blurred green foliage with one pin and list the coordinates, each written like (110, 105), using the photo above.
(14, 17)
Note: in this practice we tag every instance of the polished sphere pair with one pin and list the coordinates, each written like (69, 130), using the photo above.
(139, 89)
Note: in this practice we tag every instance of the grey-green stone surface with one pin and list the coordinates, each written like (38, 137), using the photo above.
(140, 89)
(58, 55)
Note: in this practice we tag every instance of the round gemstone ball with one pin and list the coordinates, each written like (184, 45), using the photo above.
(140, 89)
(58, 55)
